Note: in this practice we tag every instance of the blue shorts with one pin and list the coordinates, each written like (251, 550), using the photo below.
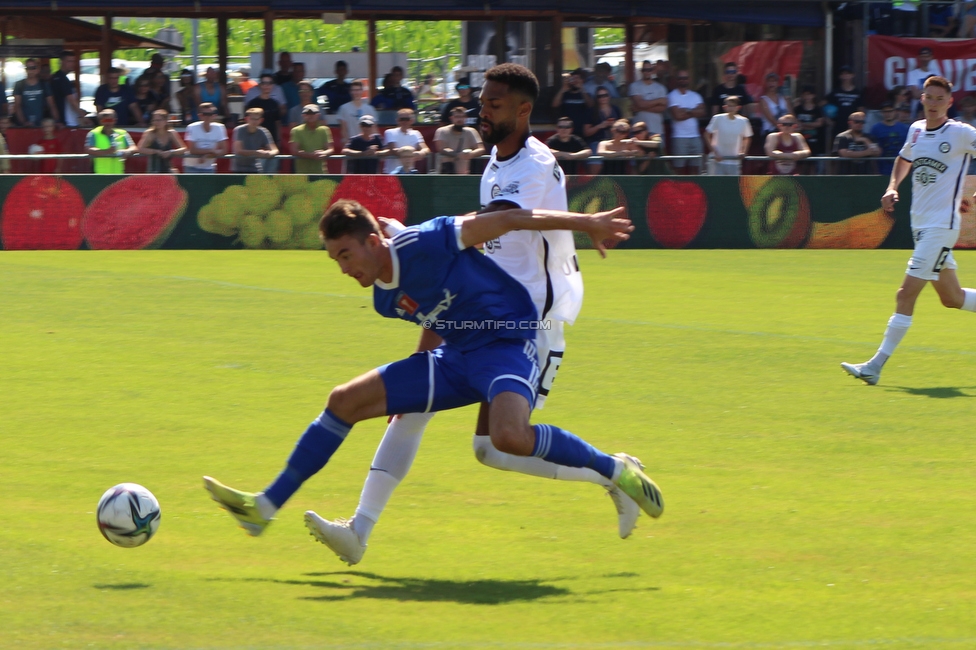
(446, 378)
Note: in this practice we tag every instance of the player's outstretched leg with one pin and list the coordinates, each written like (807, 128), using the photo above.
(511, 433)
(627, 509)
(254, 512)
(396, 452)
(563, 448)
(360, 399)
(241, 505)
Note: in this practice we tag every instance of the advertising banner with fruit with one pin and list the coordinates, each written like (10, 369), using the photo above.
(251, 211)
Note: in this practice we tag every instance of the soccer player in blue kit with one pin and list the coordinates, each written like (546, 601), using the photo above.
(431, 275)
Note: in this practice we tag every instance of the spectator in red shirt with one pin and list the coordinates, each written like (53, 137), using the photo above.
(49, 143)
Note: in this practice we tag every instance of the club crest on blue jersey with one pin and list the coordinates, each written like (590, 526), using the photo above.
(406, 303)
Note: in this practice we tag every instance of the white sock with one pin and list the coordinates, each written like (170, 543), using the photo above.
(377, 491)
(618, 467)
(392, 461)
(969, 302)
(265, 507)
(486, 454)
(362, 526)
(898, 326)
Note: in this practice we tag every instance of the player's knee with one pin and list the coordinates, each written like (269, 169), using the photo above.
(512, 439)
(341, 402)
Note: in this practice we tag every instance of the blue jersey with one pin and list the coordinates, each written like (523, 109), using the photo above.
(458, 293)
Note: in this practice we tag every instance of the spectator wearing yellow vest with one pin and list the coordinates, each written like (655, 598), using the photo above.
(109, 146)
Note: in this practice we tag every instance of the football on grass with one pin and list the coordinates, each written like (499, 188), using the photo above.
(128, 515)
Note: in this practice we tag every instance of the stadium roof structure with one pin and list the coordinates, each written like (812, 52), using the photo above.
(78, 35)
(806, 13)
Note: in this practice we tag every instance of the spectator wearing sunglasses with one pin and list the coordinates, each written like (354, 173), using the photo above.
(33, 96)
(729, 137)
(107, 145)
(205, 141)
(567, 147)
(619, 150)
(786, 146)
(649, 99)
(730, 86)
(686, 107)
(114, 96)
(648, 145)
(601, 79)
(404, 145)
(471, 106)
(571, 100)
(854, 143)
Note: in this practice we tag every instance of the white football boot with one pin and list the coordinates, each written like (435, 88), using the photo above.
(863, 371)
(338, 535)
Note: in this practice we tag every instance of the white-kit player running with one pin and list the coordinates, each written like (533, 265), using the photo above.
(937, 152)
(522, 173)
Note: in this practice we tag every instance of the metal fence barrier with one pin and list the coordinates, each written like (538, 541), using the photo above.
(822, 163)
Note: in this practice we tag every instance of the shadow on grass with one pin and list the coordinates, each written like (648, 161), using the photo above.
(124, 586)
(470, 592)
(940, 392)
(347, 585)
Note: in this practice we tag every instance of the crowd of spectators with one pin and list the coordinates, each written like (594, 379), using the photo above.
(601, 126)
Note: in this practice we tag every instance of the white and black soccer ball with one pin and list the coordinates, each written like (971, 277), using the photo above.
(128, 515)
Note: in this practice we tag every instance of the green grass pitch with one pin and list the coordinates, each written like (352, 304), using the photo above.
(804, 509)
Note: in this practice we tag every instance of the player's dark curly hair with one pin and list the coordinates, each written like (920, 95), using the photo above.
(517, 77)
(347, 217)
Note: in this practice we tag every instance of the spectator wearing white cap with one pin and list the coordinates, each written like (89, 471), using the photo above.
(364, 148)
(311, 142)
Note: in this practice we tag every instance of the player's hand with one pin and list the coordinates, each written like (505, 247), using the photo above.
(611, 226)
(391, 227)
(889, 200)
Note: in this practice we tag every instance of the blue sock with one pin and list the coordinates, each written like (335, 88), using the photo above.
(313, 451)
(563, 448)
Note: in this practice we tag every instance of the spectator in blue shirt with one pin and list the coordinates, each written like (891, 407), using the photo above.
(890, 135)
(114, 96)
(337, 90)
(394, 96)
(290, 87)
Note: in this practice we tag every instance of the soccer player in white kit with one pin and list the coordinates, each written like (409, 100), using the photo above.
(522, 173)
(937, 153)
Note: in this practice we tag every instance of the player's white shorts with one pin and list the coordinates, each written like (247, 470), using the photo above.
(551, 344)
(933, 252)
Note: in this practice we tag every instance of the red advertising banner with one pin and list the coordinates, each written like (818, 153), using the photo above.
(756, 59)
(890, 59)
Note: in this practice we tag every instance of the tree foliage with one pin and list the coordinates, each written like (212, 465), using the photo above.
(420, 39)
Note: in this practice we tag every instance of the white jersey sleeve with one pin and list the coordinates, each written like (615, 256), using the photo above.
(940, 160)
(545, 263)
(913, 132)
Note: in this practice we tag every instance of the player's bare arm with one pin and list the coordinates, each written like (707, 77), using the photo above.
(600, 226)
(898, 174)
